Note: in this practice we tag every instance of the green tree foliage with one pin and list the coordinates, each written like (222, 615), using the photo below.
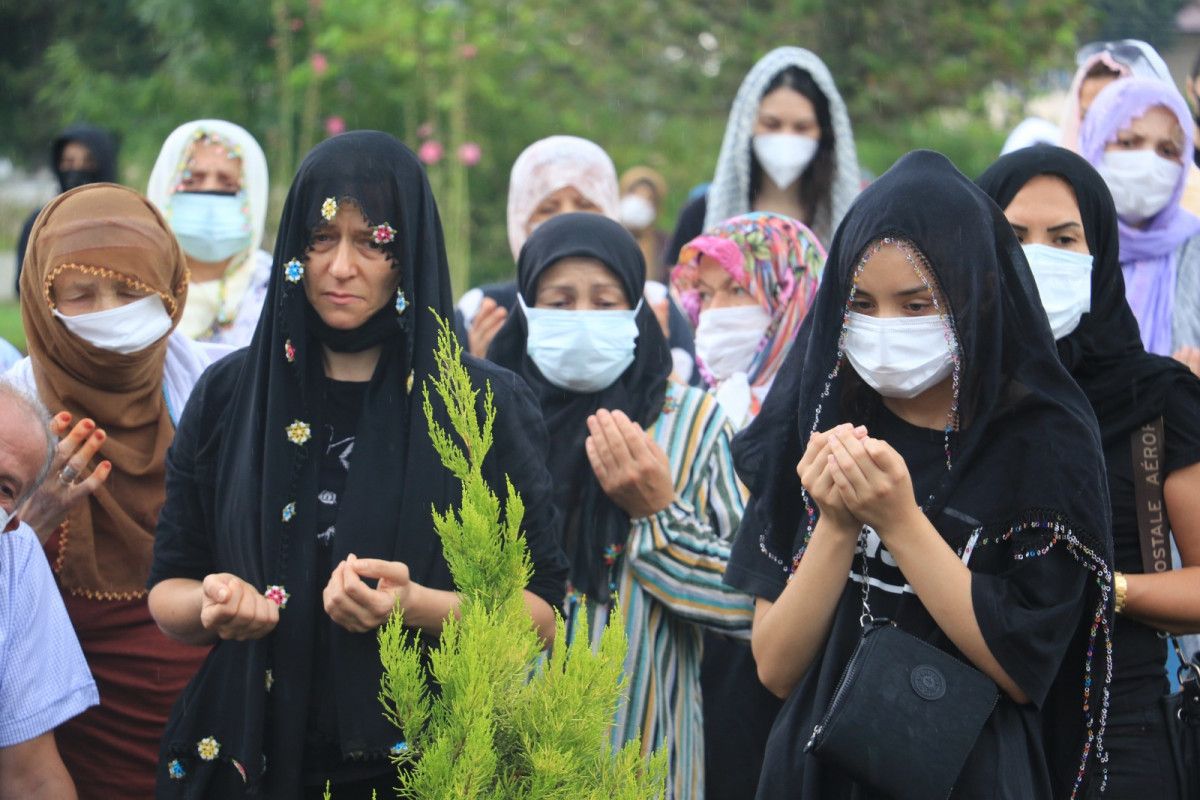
(506, 721)
(650, 80)
(1150, 20)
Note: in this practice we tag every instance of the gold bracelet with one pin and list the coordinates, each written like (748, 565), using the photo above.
(1120, 588)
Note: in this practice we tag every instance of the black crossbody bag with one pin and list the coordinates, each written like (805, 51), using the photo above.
(897, 697)
(1181, 709)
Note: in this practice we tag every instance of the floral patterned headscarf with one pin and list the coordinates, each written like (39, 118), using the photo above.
(777, 260)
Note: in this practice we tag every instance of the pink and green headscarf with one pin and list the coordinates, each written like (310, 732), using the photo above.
(776, 259)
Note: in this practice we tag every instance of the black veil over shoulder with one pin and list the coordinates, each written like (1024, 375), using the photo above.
(593, 520)
(1016, 401)
(1126, 385)
(1025, 465)
(264, 529)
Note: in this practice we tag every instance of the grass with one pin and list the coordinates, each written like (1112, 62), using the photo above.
(10, 324)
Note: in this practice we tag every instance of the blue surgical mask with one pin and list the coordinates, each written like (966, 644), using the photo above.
(581, 351)
(210, 227)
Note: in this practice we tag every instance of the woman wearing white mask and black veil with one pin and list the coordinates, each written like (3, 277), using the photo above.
(210, 181)
(924, 438)
(642, 472)
(1063, 215)
(788, 149)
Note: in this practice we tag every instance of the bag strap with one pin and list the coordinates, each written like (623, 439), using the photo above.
(1154, 528)
(865, 618)
(1146, 446)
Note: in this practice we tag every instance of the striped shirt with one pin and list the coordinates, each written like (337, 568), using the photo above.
(669, 587)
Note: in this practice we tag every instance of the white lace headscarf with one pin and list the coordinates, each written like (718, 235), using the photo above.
(729, 195)
(204, 299)
(551, 164)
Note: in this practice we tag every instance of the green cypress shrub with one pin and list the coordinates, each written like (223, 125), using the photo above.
(508, 721)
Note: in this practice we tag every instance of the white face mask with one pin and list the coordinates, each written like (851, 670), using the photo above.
(125, 329)
(1064, 282)
(1141, 181)
(784, 156)
(898, 356)
(6, 517)
(581, 351)
(727, 339)
(636, 212)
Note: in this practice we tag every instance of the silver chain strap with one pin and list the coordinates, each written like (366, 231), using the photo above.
(865, 617)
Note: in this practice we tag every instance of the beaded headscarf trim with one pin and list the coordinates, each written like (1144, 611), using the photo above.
(105, 272)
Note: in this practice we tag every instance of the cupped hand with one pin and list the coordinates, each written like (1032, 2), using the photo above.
(70, 481)
(354, 604)
(233, 609)
(817, 479)
(486, 324)
(630, 466)
(873, 480)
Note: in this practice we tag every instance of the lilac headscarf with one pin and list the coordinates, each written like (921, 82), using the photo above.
(1148, 252)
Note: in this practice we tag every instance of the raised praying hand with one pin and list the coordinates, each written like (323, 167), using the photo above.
(630, 466)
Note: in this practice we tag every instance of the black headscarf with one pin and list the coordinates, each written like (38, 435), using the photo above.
(1027, 455)
(593, 521)
(266, 489)
(103, 148)
(1126, 385)
(1016, 400)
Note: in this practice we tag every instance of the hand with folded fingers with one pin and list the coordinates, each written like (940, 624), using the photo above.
(357, 606)
(70, 480)
(817, 478)
(235, 610)
(873, 481)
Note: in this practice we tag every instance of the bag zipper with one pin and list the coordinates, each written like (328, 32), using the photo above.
(843, 686)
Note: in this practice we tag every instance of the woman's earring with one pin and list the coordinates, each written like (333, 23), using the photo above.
(401, 301)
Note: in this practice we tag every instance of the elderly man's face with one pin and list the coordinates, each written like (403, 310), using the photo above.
(22, 453)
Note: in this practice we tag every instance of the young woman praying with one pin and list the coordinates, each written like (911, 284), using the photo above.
(924, 453)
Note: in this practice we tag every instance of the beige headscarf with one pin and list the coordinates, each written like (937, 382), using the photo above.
(103, 229)
(550, 164)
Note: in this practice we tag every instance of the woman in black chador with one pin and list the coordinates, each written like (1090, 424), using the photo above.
(924, 432)
(299, 490)
(1063, 214)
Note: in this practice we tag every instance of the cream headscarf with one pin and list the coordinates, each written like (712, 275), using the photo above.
(205, 301)
(550, 164)
(729, 195)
